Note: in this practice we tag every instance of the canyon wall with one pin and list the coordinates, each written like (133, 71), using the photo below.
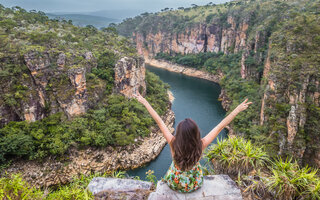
(52, 83)
(200, 38)
(130, 76)
(214, 37)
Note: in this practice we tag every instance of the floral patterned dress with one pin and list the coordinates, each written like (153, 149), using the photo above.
(184, 181)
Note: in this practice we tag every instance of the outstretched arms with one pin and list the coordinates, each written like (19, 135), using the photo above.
(164, 129)
(216, 130)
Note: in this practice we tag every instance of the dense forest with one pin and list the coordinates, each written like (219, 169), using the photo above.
(268, 51)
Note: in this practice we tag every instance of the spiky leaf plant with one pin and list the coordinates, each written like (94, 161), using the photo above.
(236, 156)
(289, 181)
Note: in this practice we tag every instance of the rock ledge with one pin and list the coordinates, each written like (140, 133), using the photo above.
(217, 187)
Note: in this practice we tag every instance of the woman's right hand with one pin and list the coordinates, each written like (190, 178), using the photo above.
(139, 98)
(244, 105)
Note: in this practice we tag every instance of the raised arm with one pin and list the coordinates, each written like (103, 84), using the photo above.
(216, 130)
(164, 129)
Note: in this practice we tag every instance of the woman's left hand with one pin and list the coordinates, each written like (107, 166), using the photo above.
(243, 106)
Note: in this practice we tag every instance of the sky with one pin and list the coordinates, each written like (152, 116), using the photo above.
(96, 5)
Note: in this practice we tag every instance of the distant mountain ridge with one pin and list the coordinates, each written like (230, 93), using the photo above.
(99, 18)
(84, 19)
(117, 14)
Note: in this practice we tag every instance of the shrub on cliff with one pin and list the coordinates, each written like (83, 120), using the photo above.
(77, 189)
(236, 156)
(290, 181)
(18, 144)
(14, 187)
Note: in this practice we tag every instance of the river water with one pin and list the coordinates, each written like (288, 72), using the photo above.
(194, 98)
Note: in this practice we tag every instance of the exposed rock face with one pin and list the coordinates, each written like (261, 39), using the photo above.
(53, 172)
(130, 76)
(225, 101)
(292, 125)
(200, 38)
(253, 46)
(270, 86)
(212, 37)
(220, 187)
(78, 104)
(292, 139)
(295, 88)
(54, 83)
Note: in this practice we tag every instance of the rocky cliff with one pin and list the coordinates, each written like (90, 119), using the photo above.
(292, 76)
(61, 88)
(54, 66)
(278, 48)
(200, 37)
(231, 37)
(54, 83)
(130, 76)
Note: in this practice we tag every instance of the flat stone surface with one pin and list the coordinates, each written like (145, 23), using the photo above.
(215, 187)
(100, 184)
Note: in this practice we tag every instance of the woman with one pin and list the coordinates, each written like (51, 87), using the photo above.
(185, 173)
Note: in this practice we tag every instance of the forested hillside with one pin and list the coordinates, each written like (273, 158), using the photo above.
(268, 51)
(57, 87)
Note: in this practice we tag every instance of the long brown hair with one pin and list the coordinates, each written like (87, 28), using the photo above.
(187, 144)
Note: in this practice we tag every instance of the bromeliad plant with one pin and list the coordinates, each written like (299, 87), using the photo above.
(236, 156)
(289, 181)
